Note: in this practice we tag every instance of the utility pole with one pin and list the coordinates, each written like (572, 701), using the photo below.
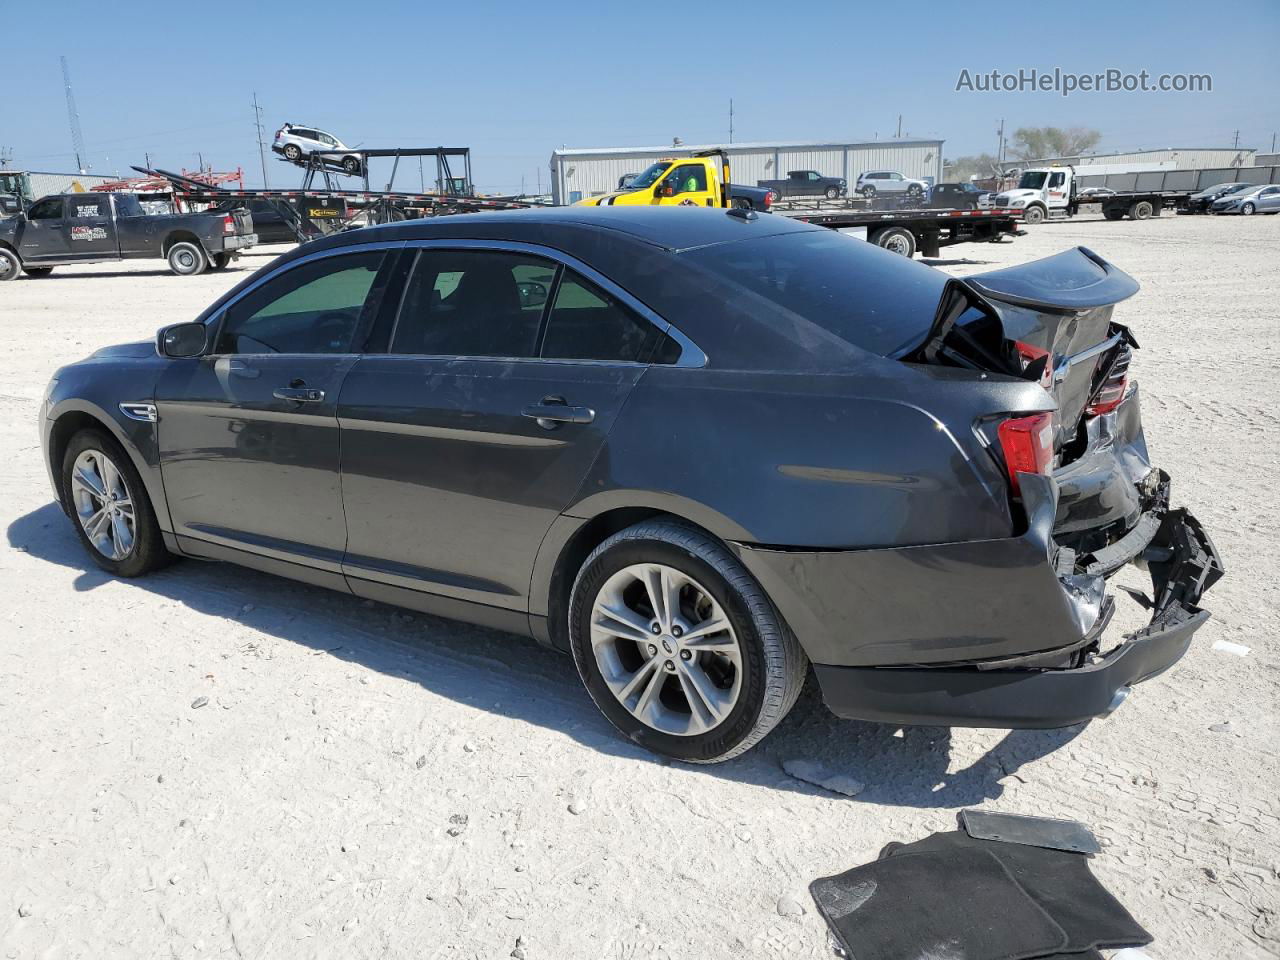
(1273, 143)
(257, 124)
(1000, 145)
(898, 135)
(1236, 144)
(73, 116)
(731, 119)
(6, 156)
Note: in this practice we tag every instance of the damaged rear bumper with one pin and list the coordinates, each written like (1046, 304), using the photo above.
(1034, 686)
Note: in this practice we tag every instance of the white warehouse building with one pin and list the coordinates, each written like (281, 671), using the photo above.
(1173, 158)
(589, 172)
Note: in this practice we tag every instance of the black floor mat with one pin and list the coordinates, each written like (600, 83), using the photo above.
(1057, 880)
(954, 901)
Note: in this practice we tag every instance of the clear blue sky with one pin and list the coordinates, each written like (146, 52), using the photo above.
(514, 80)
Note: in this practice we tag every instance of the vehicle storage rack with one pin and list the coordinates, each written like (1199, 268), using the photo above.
(328, 164)
(932, 229)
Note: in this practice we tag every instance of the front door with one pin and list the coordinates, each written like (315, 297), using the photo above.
(43, 236)
(462, 445)
(686, 185)
(249, 446)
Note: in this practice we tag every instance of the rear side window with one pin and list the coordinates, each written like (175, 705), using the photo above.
(88, 208)
(823, 284)
(587, 323)
(474, 303)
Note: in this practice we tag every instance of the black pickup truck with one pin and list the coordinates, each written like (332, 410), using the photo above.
(806, 183)
(72, 228)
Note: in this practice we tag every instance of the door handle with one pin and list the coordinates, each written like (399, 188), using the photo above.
(553, 411)
(298, 394)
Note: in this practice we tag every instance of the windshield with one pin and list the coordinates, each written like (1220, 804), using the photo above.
(1032, 180)
(650, 176)
(842, 286)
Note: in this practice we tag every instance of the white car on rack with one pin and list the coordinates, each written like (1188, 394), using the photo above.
(874, 182)
(295, 142)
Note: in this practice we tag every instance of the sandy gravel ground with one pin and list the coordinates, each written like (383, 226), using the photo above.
(366, 783)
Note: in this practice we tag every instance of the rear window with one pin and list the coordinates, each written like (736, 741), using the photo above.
(842, 286)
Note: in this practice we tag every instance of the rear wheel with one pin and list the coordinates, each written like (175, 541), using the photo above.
(678, 645)
(10, 265)
(896, 240)
(219, 261)
(1111, 213)
(109, 505)
(36, 272)
(833, 193)
(742, 203)
(1033, 215)
(187, 259)
(293, 152)
(1140, 210)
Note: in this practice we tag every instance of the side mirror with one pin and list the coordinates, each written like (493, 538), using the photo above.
(665, 189)
(182, 340)
(532, 293)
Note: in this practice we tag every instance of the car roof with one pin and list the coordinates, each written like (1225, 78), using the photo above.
(670, 228)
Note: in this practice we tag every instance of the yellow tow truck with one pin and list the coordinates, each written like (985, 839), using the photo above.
(695, 181)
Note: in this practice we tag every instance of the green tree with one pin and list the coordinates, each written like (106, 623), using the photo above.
(962, 168)
(1035, 143)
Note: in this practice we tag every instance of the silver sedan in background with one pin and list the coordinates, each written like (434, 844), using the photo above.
(1261, 199)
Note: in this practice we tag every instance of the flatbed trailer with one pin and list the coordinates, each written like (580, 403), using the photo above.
(909, 231)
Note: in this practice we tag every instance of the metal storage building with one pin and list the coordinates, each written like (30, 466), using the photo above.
(588, 172)
(43, 184)
(1185, 158)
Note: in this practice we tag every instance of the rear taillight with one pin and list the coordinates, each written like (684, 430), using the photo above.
(1111, 392)
(1029, 354)
(1027, 444)
(768, 199)
(228, 224)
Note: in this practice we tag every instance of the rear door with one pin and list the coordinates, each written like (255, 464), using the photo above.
(506, 367)
(90, 228)
(249, 446)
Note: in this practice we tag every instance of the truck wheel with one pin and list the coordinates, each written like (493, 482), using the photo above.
(896, 240)
(742, 203)
(869, 192)
(219, 261)
(1033, 215)
(1111, 213)
(351, 166)
(35, 273)
(1140, 210)
(293, 152)
(186, 259)
(10, 265)
(833, 193)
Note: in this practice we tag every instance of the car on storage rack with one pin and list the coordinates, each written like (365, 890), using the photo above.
(873, 183)
(73, 228)
(700, 450)
(296, 143)
(960, 196)
(806, 183)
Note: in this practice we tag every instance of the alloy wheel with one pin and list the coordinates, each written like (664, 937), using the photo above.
(104, 505)
(666, 649)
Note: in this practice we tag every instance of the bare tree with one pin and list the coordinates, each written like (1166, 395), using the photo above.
(1034, 143)
(962, 168)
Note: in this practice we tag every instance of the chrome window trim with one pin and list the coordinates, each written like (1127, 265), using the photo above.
(691, 355)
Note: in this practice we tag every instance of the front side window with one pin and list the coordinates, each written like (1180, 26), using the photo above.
(473, 303)
(587, 323)
(689, 178)
(316, 307)
(50, 208)
(1057, 179)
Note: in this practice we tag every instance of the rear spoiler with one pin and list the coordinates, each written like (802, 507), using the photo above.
(1068, 282)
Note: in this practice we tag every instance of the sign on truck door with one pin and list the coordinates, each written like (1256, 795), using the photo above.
(88, 226)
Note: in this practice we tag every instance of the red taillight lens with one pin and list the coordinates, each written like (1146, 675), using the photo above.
(228, 224)
(1111, 393)
(1027, 443)
(768, 199)
(1030, 354)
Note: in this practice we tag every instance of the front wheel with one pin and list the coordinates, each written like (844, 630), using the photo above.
(833, 193)
(1248, 209)
(113, 516)
(869, 192)
(351, 166)
(187, 259)
(10, 265)
(1033, 215)
(679, 646)
(915, 191)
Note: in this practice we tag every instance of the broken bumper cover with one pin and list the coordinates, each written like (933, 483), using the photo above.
(1036, 687)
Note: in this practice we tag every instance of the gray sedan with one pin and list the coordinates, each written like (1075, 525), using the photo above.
(700, 451)
(1263, 199)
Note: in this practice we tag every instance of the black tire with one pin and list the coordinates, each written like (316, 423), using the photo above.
(1033, 214)
(773, 665)
(833, 193)
(897, 240)
(1248, 209)
(10, 265)
(1140, 210)
(35, 273)
(148, 551)
(1111, 213)
(915, 191)
(219, 261)
(293, 152)
(187, 259)
(742, 203)
(869, 192)
(351, 166)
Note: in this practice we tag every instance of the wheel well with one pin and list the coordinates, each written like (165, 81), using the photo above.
(64, 428)
(178, 236)
(592, 533)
